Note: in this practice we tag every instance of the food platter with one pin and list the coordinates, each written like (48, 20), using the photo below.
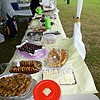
(25, 94)
(26, 66)
(34, 36)
(63, 76)
(56, 57)
(39, 54)
(31, 51)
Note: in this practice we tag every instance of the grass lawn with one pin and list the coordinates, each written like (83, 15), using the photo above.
(90, 27)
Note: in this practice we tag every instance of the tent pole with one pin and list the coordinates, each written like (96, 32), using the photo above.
(79, 8)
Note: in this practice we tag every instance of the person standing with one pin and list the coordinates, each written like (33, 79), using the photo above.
(33, 5)
(7, 13)
(68, 1)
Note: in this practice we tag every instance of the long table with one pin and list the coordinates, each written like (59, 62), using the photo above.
(85, 83)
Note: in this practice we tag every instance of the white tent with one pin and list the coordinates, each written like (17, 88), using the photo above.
(77, 35)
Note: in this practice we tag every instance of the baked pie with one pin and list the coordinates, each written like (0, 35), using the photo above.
(57, 57)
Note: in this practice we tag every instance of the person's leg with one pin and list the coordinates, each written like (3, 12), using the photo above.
(68, 1)
(32, 10)
(11, 26)
(34, 4)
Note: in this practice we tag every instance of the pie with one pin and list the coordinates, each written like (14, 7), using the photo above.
(57, 57)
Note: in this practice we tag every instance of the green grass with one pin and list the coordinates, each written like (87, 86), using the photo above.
(90, 27)
(8, 47)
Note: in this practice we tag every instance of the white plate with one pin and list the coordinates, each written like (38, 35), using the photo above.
(76, 97)
(80, 97)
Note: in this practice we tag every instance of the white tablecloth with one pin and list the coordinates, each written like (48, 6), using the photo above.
(76, 97)
(85, 83)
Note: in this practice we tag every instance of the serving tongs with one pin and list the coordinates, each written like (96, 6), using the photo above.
(55, 33)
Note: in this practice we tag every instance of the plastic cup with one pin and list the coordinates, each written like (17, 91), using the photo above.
(26, 0)
(47, 22)
(39, 10)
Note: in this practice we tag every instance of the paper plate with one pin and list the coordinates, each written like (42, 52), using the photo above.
(54, 88)
(39, 54)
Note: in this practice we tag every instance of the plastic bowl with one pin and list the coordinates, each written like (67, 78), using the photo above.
(49, 39)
